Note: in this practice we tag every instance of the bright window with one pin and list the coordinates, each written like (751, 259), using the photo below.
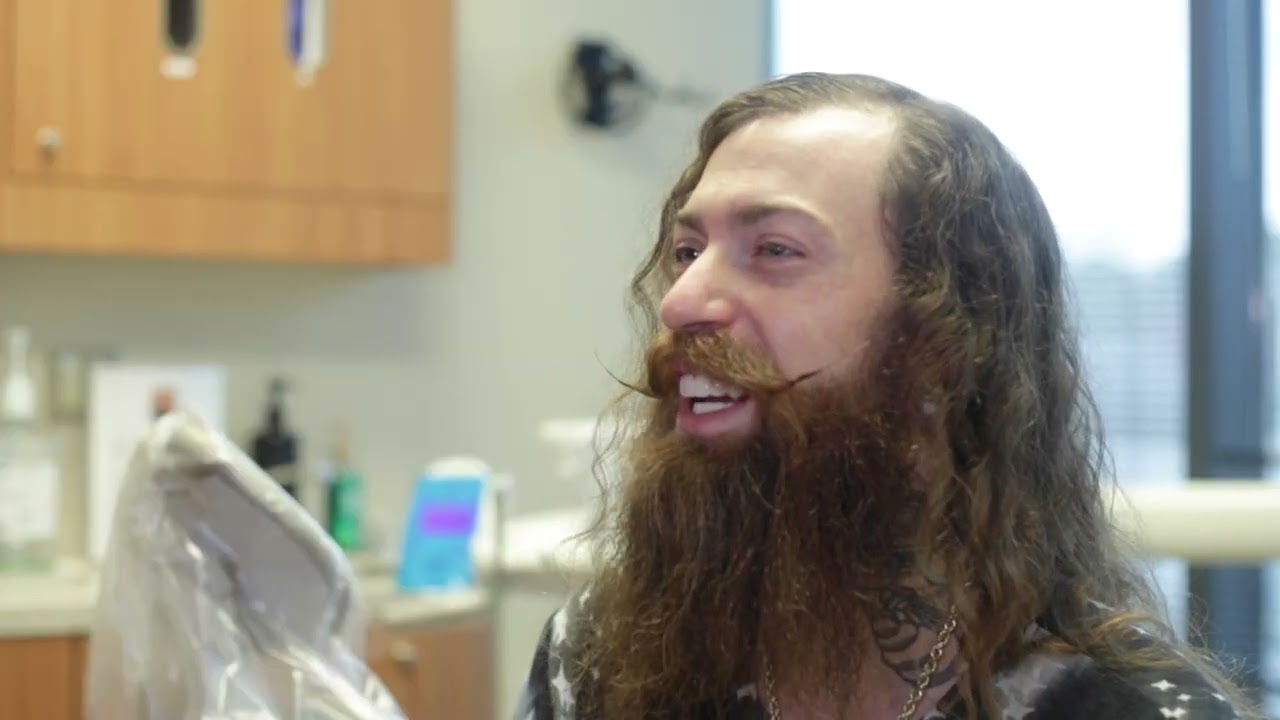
(1271, 210)
(1092, 96)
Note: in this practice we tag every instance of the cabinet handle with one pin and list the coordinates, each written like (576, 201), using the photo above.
(49, 139)
(403, 652)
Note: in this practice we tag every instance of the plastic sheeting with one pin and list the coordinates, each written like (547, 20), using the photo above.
(222, 598)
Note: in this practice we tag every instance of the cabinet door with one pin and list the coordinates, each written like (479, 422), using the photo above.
(394, 659)
(456, 678)
(97, 101)
(41, 677)
(444, 671)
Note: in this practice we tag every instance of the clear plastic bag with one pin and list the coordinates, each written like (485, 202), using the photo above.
(222, 598)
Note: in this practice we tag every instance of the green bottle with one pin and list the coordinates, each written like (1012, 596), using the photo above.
(346, 501)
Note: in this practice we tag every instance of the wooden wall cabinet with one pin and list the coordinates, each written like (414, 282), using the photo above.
(108, 145)
(443, 670)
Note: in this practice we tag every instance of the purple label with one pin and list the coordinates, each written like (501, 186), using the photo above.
(447, 519)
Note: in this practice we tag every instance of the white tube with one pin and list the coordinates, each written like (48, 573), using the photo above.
(1203, 521)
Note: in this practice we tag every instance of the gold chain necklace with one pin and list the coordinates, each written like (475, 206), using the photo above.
(917, 692)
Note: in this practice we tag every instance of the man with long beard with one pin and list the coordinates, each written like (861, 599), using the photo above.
(864, 478)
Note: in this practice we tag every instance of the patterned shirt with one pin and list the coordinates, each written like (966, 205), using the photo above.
(1041, 687)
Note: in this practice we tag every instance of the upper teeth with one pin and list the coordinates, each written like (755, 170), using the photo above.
(701, 386)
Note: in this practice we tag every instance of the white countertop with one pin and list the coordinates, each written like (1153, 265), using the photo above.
(537, 551)
(540, 546)
(64, 602)
(1218, 522)
(60, 604)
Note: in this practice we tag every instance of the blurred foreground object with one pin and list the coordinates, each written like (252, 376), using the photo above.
(1214, 521)
(221, 597)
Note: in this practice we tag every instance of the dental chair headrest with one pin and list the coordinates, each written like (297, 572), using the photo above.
(221, 596)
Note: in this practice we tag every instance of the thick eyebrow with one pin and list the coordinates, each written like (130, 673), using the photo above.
(750, 215)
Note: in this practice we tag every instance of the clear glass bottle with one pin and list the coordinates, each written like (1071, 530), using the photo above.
(29, 469)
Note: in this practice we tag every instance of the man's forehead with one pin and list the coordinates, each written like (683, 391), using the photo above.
(825, 165)
(831, 122)
(836, 134)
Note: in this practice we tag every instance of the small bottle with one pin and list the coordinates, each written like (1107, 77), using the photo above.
(275, 447)
(345, 519)
(29, 468)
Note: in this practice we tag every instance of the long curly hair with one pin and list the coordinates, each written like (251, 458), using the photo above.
(1021, 520)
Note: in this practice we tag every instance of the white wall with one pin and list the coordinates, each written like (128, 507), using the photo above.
(463, 358)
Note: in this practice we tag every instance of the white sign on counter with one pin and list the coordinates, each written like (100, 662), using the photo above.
(29, 512)
(124, 399)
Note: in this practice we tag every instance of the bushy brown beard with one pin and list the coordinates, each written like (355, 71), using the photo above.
(786, 542)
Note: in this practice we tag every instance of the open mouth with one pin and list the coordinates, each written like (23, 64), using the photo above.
(705, 396)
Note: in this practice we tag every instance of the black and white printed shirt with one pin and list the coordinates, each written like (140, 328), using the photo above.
(1041, 687)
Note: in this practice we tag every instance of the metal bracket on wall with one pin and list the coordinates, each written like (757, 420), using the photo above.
(605, 89)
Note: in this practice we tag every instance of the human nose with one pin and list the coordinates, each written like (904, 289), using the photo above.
(700, 298)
